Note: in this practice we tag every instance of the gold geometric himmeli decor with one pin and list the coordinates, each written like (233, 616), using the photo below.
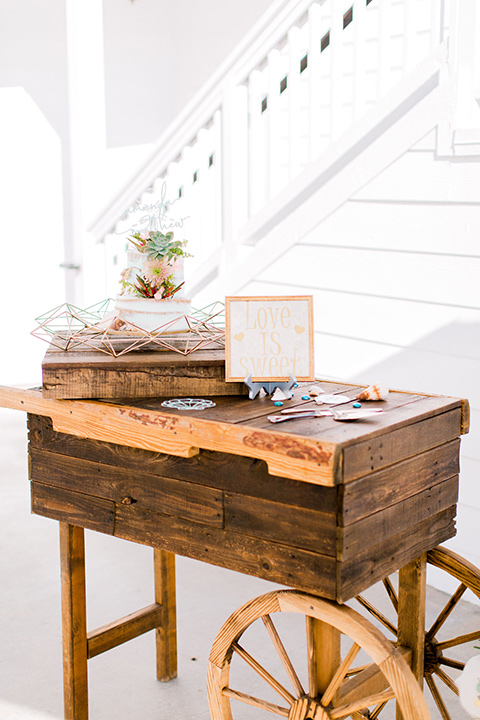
(68, 327)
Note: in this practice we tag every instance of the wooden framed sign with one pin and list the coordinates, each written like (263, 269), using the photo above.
(269, 338)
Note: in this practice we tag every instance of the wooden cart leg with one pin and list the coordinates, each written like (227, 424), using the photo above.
(411, 613)
(74, 622)
(166, 634)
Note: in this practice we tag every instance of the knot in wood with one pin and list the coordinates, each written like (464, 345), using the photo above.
(128, 501)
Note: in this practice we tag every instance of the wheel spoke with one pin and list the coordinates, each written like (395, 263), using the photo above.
(356, 670)
(446, 610)
(339, 676)
(376, 712)
(447, 680)
(438, 698)
(264, 673)
(256, 702)
(376, 614)
(391, 593)
(311, 659)
(361, 704)
(460, 640)
(370, 681)
(449, 662)
(282, 653)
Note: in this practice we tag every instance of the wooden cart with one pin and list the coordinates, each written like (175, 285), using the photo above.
(324, 507)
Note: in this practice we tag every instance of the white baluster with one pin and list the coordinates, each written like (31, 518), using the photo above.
(360, 20)
(371, 30)
(410, 36)
(168, 192)
(203, 190)
(214, 173)
(397, 47)
(188, 209)
(424, 30)
(298, 89)
(234, 165)
(437, 22)
(258, 144)
(341, 43)
(176, 195)
(314, 79)
(278, 120)
(325, 128)
(384, 43)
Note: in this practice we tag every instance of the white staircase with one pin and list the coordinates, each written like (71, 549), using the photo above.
(284, 113)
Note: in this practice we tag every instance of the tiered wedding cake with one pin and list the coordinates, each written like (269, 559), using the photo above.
(152, 293)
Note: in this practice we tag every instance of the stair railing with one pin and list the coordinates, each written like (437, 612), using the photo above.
(304, 75)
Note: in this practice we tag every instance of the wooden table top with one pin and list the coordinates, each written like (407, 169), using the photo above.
(311, 450)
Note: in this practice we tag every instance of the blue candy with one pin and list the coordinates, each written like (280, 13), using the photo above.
(278, 403)
(356, 405)
(305, 397)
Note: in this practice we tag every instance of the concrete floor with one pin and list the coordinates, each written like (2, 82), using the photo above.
(122, 682)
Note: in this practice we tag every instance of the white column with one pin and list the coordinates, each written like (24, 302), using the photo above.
(84, 146)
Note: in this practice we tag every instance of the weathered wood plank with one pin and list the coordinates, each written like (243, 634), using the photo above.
(73, 508)
(166, 361)
(232, 473)
(127, 628)
(89, 373)
(304, 528)
(373, 454)
(314, 459)
(395, 483)
(310, 460)
(397, 519)
(242, 409)
(376, 562)
(400, 411)
(173, 497)
(74, 622)
(253, 556)
(343, 432)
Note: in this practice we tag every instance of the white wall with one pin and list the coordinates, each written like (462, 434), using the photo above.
(33, 118)
(144, 41)
(159, 53)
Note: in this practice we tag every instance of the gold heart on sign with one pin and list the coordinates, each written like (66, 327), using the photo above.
(239, 337)
(299, 329)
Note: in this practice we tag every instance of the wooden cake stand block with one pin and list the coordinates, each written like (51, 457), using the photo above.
(89, 373)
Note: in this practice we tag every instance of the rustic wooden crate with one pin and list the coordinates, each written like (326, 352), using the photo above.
(90, 373)
(392, 495)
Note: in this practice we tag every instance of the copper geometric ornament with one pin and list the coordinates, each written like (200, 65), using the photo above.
(68, 327)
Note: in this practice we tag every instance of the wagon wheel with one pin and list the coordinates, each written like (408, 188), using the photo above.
(332, 688)
(448, 640)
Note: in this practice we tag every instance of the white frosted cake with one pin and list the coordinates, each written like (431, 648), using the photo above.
(152, 285)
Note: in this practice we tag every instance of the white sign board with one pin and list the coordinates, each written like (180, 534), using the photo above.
(269, 338)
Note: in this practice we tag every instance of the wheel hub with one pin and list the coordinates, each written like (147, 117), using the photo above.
(307, 709)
